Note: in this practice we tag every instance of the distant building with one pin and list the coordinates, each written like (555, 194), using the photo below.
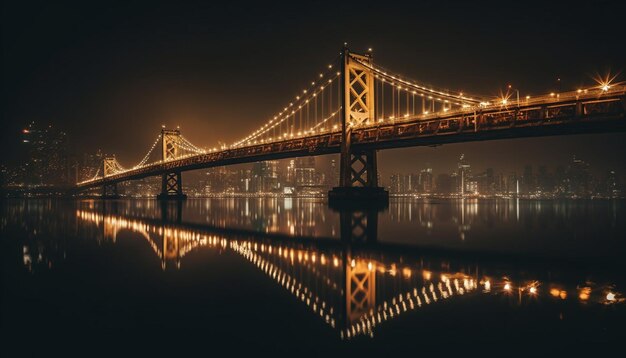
(219, 180)
(444, 184)
(511, 184)
(265, 177)
(400, 184)
(464, 174)
(485, 182)
(545, 182)
(242, 182)
(610, 186)
(424, 182)
(305, 173)
(528, 180)
(333, 174)
(48, 162)
(578, 178)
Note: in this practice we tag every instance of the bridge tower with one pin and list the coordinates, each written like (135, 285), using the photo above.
(171, 182)
(109, 190)
(358, 170)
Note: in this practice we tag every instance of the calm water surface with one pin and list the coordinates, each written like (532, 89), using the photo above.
(293, 277)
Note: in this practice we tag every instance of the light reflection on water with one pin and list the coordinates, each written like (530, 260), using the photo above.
(357, 271)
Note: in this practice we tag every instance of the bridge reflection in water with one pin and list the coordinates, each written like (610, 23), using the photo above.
(353, 283)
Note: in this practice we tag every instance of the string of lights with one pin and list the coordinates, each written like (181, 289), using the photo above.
(192, 146)
(189, 148)
(97, 174)
(301, 102)
(145, 158)
(331, 116)
(270, 126)
(398, 80)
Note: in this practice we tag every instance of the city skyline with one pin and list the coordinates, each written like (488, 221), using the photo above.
(316, 175)
(80, 166)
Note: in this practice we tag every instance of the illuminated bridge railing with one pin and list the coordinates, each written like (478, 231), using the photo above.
(570, 108)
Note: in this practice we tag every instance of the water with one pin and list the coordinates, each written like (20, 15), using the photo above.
(293, 277)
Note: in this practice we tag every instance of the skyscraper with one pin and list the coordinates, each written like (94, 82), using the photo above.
(578, 178)
(304, 172)
(464, 173)
(425, 180)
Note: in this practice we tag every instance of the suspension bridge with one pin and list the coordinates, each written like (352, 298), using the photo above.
(355, 108)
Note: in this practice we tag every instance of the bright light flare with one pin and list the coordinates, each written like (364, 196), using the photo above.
(606, 82)
(503, 98)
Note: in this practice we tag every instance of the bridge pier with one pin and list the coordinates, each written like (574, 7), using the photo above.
(359, 181)
(172, 187)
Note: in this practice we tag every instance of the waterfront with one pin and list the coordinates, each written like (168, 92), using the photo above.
(291, 275)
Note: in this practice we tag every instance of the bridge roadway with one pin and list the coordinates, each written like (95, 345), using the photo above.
(569, 113)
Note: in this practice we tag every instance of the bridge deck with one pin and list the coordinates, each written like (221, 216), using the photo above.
(568, 114)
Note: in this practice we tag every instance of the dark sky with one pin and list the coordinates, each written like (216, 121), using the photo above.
(110, 73)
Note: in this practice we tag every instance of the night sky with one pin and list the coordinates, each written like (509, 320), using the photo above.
(111, 73)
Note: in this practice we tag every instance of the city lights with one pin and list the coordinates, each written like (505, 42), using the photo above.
(228, 179)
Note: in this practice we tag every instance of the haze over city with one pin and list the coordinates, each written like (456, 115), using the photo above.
(371, 179)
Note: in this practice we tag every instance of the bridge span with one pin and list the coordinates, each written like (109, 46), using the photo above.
(362, 121)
